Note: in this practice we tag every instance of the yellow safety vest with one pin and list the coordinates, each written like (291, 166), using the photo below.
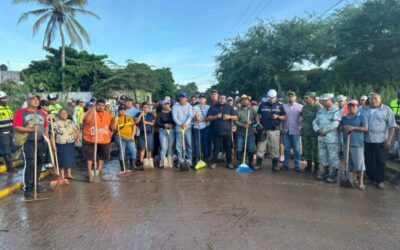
(395, 106)
(55, 108)
(6, 117)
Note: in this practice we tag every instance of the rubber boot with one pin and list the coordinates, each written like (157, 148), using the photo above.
(250, 160)
(308, 168)
(121, 164)
(259, 161)
(9, 164)
(275, 164)
(332, 178)
(325, 174)
(316, 169)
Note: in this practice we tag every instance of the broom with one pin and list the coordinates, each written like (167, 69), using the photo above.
(200, 164)
(346, 178)
(94, 174)
(125, 172)
(244, 168)
(147, 162)
(53, 150)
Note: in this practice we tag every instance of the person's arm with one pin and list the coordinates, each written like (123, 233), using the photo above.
(335, 122)
(151, 122)
(210, 116)
(175, 115)
(282, 115)
(389, 140)
(239, 123)
(158, 121)
(232, 115)
(114, 123)
(139, 117)
(88, 116)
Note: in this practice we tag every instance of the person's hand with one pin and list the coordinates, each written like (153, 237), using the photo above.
(226, 117)
(35, 128)
(275, 116)
(321, 133)
(51, 117)
(348, 129)
(388, 144)
(184, 126)
(247, 125)
(219, 116)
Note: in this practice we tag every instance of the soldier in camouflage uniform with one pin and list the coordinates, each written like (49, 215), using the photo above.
(326, 125)
(308, 136)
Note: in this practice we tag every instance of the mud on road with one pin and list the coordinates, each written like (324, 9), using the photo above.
(208, 209)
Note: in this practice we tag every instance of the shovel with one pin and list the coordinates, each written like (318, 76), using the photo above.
(244, 168)
(200, 164)
(184, 165)
(147, 162)
(94, 173)
(167, 159)
(125, 172)
(346, 178)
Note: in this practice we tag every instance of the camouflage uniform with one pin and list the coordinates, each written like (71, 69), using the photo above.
(308, 136)
(328, 121)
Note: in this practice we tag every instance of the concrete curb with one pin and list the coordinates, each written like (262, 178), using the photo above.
(17, 164)
(6, 192)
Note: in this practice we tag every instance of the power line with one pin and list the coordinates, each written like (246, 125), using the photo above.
(242, 16)
(330, 8)
(252, 14)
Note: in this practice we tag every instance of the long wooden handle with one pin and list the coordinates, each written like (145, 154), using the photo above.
(245, 138)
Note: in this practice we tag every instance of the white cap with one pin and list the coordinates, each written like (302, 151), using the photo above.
(167, 98)
(364, 98)
(3, 94)
(341, 98)
(272, 94)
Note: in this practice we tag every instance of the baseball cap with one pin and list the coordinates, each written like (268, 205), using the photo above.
(310, 94)
(363, 98)
(167, 98)
(353, 102)
(244, 97)
(52, 97)
(202, 96)
(229, 98)
(44, 102)
(121, 107)
(3, 94)
(326, 97)
(291, 92)
(32, 95)
(214, 91)
(165, 102)
(341, 98)
(183, 94)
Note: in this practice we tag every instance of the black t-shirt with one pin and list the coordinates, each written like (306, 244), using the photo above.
(220, 126)
(266, 110)
(164, 118)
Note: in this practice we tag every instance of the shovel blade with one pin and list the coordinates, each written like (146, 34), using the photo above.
(148, 163)
(200, 165)
(346, 180)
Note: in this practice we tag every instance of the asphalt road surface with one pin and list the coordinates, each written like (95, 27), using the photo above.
(208, 209)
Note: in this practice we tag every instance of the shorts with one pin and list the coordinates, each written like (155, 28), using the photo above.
(103, 151)
(356, 159)
(150, 142)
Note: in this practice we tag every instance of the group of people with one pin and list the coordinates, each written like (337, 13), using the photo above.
(212, 129)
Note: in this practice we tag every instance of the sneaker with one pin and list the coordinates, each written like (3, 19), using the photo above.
(276, 168)
(214, 165)
(161, 166)
(380, 185)
(230, 166)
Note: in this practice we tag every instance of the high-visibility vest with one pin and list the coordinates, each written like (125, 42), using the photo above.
(55, 108)
(6, 117)
(395, 106)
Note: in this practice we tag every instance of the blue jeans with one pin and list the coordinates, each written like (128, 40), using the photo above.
(166, 143)
(205, 142)
(127, 145)
(251, 142)
(188, 143)
(290, 141)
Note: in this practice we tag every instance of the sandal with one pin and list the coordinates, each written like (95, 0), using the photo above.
(70, 178)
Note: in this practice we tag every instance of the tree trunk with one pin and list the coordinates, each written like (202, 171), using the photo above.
(62, 52)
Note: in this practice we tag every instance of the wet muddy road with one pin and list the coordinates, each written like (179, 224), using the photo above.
(208, 209)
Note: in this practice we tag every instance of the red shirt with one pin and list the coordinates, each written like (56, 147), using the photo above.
(24, 117)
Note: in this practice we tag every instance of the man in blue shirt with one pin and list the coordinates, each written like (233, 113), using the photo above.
(355, 124)
(270, 115)
(221, 116)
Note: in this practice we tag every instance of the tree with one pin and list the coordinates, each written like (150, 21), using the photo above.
(83, 70)
(166, 83)
(3, 67)
(60, 15)
(190, 88)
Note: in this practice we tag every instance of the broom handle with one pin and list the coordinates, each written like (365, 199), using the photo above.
(35, 159)
(53, 136)
(199, 141)
(95, 141)
(347, 152)
(120, 146)
(145, 136)
(245, 140)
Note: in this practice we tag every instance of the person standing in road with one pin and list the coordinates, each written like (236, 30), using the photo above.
(308, 136)
(221, 116)
(355, 124)
(378, 139)
(100, 133)
(55, 106)
(145, 121)
(270, 115)
(29, 121)
(246, 118)
(199, 123)
(166, 123)
(182, 114)
(291, 131)
(6, 132)
(326, 126)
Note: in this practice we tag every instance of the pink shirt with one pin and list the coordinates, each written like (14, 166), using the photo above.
(292, 125)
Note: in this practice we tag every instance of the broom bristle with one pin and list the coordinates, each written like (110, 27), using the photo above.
(243, 169)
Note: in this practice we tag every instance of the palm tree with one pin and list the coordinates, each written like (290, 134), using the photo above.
(59, 15)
